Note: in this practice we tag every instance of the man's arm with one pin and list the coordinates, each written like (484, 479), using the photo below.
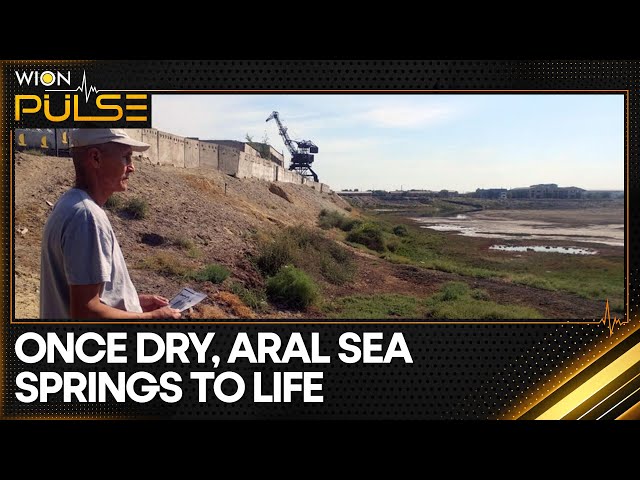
(85, 304)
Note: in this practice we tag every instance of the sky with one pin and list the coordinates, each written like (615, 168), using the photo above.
(424, 141)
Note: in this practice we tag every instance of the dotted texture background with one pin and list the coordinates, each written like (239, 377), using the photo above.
(459, 371)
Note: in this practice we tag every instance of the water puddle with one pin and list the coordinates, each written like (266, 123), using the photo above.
(543, 248)
(490, 225)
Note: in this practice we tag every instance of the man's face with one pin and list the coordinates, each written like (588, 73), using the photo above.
(115, 167)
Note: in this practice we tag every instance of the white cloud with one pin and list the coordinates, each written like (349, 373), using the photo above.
(405, 116)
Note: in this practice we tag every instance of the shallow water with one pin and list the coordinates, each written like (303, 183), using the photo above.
(545, 248)
(482, 225)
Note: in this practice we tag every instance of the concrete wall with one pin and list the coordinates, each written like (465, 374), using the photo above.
(228, 160)
(250, 150)
(208, 154)
(170, 149)
(256, 167)
(150, 136)
(284, 175)
(191, 153)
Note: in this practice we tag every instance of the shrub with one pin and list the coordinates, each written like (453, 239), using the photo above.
(292, 287)
(453, 291)
(400, 231)
(308, 250)
(114, 202)
(479, 294)
(274, 255)
(369, 235)
(349, 224)
(214, 273)
(392, 245)
(137, 208)
(334, 219)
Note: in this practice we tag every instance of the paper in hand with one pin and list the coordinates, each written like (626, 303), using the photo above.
(187, 298)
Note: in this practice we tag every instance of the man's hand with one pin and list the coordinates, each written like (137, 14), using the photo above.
(163, 313)
(85, 304)
(152, 302)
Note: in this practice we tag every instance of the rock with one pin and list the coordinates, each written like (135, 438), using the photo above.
(49, 203)
(23, 231)
(276, 190)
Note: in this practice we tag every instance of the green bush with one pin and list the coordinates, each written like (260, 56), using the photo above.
(275, 254)
(369, 235)
(453, 291)
(334, 219)
(400, 231)
(292, 287)
(137, 208)
(349, 224)
(114, 202)
(214, 273)
(308, 250)
(392, 245)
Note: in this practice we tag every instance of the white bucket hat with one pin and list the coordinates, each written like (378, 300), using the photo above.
(83, 137)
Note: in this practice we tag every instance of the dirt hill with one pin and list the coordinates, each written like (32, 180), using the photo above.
(220, 216)
(198, 217)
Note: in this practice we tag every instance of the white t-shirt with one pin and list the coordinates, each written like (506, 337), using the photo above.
(79, 247)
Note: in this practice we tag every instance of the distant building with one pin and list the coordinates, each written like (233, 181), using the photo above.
(546, 190)
(495, 193)
(551, 190)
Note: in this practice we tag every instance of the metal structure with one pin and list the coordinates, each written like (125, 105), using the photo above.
(301, 150)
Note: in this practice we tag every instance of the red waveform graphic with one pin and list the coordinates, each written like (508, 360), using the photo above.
(610, 323)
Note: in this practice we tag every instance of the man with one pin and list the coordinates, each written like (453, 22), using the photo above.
(83, 274)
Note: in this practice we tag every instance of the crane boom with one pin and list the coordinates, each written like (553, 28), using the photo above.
(301, 150)
(283, 133)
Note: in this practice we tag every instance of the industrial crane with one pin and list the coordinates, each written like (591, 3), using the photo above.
(301, 150)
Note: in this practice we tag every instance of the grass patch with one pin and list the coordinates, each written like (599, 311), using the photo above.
(166, 264)
(333, 219)
(456, 300)
(137, 208)
(214, 273)
(308, 250)
(254, 299)
(188, 245)
(292, 287)
(374, 307)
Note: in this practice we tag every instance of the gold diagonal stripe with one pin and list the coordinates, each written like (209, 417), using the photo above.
(607, 397)
(593, 385)
(620, 402)
(632, 414)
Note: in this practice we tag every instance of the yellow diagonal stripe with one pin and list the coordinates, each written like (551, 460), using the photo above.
(593, 385)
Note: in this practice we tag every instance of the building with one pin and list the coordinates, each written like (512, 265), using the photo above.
(545, 191)
(494, 193)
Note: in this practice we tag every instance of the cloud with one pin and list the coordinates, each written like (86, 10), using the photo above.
(406, 116)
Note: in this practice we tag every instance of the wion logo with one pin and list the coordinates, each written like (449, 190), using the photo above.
(50, 96)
